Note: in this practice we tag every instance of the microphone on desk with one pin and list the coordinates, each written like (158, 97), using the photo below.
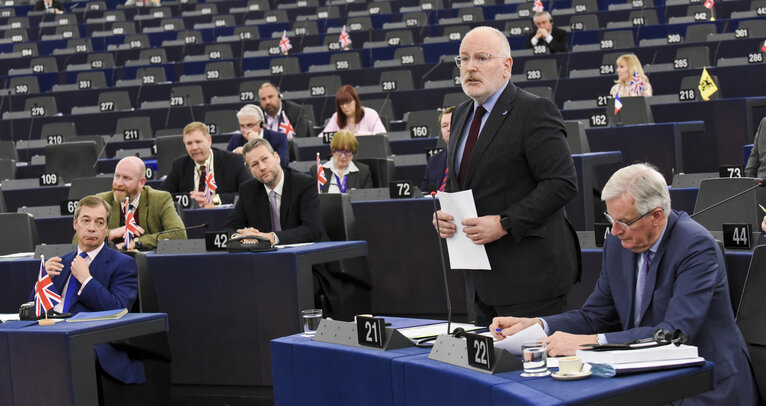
(760, 184)
(444, 274)
(172, 230)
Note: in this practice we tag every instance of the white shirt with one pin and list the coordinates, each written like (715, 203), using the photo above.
(88, 260)
(209, 164)
(278, 197)
(334, 187)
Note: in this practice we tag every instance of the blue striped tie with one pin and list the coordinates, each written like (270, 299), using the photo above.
(74, 286)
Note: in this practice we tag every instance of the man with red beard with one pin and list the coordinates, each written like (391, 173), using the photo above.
(152, 209)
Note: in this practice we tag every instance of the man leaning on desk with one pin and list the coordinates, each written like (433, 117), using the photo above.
(153, 209)
(660, 269)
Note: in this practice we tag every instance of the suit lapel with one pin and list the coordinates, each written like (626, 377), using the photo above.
(327, 175)
(143, 209)
(629, 259)
(218, 169)
(652, 272)
(284, 207)
(187, 180)
(491, 129)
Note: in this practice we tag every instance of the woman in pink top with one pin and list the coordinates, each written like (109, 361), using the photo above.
(351, 116)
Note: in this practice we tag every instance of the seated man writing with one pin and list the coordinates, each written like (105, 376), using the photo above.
(660, 269)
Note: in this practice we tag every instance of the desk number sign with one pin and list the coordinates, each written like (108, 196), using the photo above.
(216, 241)
(481, 351)
(371, 331)
(737, 236)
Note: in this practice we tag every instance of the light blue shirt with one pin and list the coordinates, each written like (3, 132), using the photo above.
(488, 105)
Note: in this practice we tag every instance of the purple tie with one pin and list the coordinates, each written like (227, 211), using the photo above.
(275, 224)
(473, 135)
(640, 283)
(74, 286)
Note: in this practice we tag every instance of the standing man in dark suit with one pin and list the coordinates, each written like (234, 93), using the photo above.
(96, 278)
(555, 39)
(509, 147)
(661, 270)
(188, 173)
(435, 178)
(273, 104)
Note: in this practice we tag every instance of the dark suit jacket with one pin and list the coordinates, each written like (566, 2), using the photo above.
(298, 119)
(229, 168)
(356, 180)
(114, 286)
(521, 168)
(558, 44)
(277, 140)
(756, 163)
(299, 214)
(40, 5)
(434, 175)
(686, 288)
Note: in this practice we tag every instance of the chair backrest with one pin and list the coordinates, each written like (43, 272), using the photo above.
(326, 85)
(454, 98)
(132, 128)
(221, 121)
(379, 7)
(345, 60)
(92, 80)
(398, 38)
(82, 187)
(153, 55)
(124, 28)
(635, 110)
(7, 169)
(338, 216)
(742, 209)
(220, 70)
(74, 159)
(26, 49)
(60, 132)
(284, 65)
(146, 299)
(41, 106)
(583, 22)
(541, 91)
(620, 38)
(456, 32)
(645, 16)
(692, 83)
(696, 57)
(409, 55)
(190, 36)
(102, 60)
(471, 15)
(218, 51)
(137, 41)
(423, 123)
(114, 101)
(53, 250)
(395, 80)
(518, 28)
(415, 19)
(363, 23)
(576, 137)
(383, 170)
(8, 150)
(19, 233)
(41, 211)
(80, 45)
(699, 32)
(24, 85)
(751, 318)
(191, 95)
(305, 28)
(169, 148)
(373, 146)
(755, 28)
(245, 33)
(585, 6)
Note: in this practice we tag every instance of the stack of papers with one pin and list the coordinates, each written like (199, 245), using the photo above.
(644, 359)
(433, 330)
(97, 316)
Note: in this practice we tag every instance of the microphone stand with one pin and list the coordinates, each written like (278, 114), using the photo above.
(760, 184)
(157, 238)
(444, 265)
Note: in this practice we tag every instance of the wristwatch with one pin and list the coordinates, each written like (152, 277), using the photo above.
(505, 221)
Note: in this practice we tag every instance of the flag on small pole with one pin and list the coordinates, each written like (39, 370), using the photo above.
(321, 179)
(131, 227)
(538, 6)
(709, 4)
(763, 47)
(706, 86)
(284, 43)
(286, 127)
(617, 104)
(636, 84)
(210, 187)
(45, 292)
(344, 38)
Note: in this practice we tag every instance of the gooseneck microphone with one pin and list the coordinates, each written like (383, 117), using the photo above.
(760, 184)
(172, 230)
(444, 265)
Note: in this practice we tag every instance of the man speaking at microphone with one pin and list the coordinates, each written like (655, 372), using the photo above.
(509, 147)
(152, 209)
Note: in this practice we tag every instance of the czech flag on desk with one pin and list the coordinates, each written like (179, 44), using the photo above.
(45, 292)
(321, 179)
(617, 104)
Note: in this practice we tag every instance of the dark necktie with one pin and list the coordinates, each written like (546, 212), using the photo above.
(473, 135)
(72, 288)
(275, 224)
(202, 176)
(444, 181)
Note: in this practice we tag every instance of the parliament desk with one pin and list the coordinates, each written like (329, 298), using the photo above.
(46, 365)
(223, 308)
(310, 372)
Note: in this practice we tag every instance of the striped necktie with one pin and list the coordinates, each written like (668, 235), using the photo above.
(72, 287)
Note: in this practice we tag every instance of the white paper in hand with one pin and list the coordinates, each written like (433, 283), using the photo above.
(513, 343)
(463, 253)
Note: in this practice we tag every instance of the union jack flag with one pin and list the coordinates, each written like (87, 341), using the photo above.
(210, 187)
(636, 84)
(45, 292)
(344, 38)
(321, 179)
(538, 6)
(286, 127)
(284, 43)
(131, 228)
(709, 4)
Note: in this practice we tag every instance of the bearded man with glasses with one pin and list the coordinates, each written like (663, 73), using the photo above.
(509, 147)
(660, 270)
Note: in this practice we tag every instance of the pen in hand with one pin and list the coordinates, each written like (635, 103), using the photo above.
(762, 208)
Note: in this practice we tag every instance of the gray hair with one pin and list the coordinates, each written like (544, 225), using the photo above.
(251, 110)
(501, 38)
(257, 142)
(643, 183)
(541, 14)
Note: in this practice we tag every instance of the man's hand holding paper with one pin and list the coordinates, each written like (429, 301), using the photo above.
(458, 219)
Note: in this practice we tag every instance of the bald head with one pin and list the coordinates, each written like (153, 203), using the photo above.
(496, 39)
(129, 178)
(488, 63)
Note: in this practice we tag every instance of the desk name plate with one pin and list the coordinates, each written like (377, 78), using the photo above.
(345, 333)
(454, 351)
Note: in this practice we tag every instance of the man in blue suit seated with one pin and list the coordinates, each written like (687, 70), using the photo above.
(250, 119)
(660, 270)
(435, 178)
(97, 278)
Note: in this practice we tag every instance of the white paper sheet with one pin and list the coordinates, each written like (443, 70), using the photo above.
(463, 253)
(432, 330)
(513, 343)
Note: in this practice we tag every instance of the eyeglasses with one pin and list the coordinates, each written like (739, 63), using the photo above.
(479, 59)
(343, 152)
(625, 226)
(86, 222)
